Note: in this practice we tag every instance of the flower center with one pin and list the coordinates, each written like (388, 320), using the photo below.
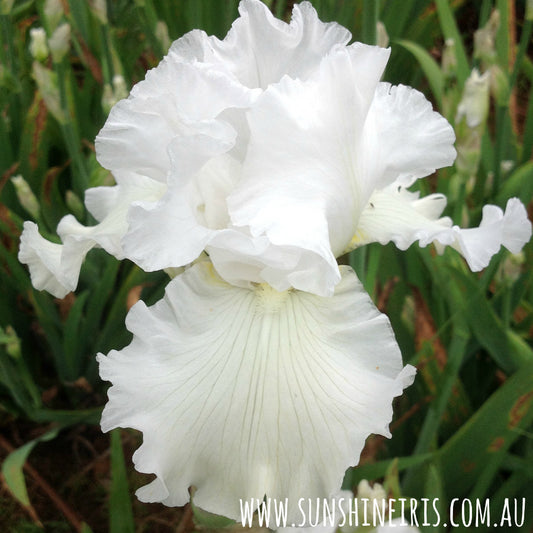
(269, 300)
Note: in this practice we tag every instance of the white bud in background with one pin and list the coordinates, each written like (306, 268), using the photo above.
(59, 43)
(511, 268)
(449, 59)
(484, 39)
(47, 83)
(506, 166)
(108, 98)
(99, 8)
(38, 47)
(161, 33)
(25, 196)
(382, 37)
(120, 89)
(74, 204)
(6, 6)
(474, 105)
(53, 13)
(375, 492)
(112, 94)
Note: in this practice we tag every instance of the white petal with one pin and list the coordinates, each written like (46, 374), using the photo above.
(404, 138)
(300, 184)
(510, 229)
(397, 215)
(240, 258)
(260, 49)
(243, 393)
(45, 263)
(401, 217)
(176, 99)
(326, 523)
(173, 231)
(56, 267)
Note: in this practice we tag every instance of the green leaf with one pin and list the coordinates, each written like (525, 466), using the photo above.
(430, 67)
(434, 491)
(12, 467)
(68, 418)
(120, 509)
(519, 184)
(209, 520)
(380, 468)
(451, 31)
(73, 342)
(490, 431)
(504, 345)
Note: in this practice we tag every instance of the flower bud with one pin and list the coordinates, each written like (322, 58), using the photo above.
(470, 122)
(10, 340)
(511, 268)
(6, 6)
(120, 90)
(449, 60)
(382, 37)
(99, 8)
(59, 43)
(47, 83)
(25, 196)
(108, 98)
(364, 490)
(474, 105)
(112, 94)
(484, 39)
(53, 13)
(74, 204)
(38, 46)
(161, 33)
(506, 166)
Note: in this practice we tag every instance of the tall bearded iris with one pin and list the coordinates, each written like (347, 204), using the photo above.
(265, 366)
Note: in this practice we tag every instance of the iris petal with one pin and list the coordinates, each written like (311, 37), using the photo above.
(246, 392)
(56, 267)
(399, 216)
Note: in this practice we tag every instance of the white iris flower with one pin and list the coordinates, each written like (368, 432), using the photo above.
(265, 367)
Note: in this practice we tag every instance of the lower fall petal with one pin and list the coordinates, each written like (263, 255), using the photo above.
(399, 216)
(243, 393)
(56, 267)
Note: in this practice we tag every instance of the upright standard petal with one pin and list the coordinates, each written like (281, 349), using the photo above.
(404, 138)
(319, 149)
(175, 100)
(300, 185)
(260, 49)
(174, 231)
(243, 393)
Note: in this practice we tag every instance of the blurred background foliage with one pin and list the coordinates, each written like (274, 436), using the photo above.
(463, 430)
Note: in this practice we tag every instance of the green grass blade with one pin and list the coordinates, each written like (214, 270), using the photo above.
(451, 31)
(466, 454)
(430, 67)
(120, 509)
(505, 347)
(519, 184)
(370, 21)
(12, 467)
